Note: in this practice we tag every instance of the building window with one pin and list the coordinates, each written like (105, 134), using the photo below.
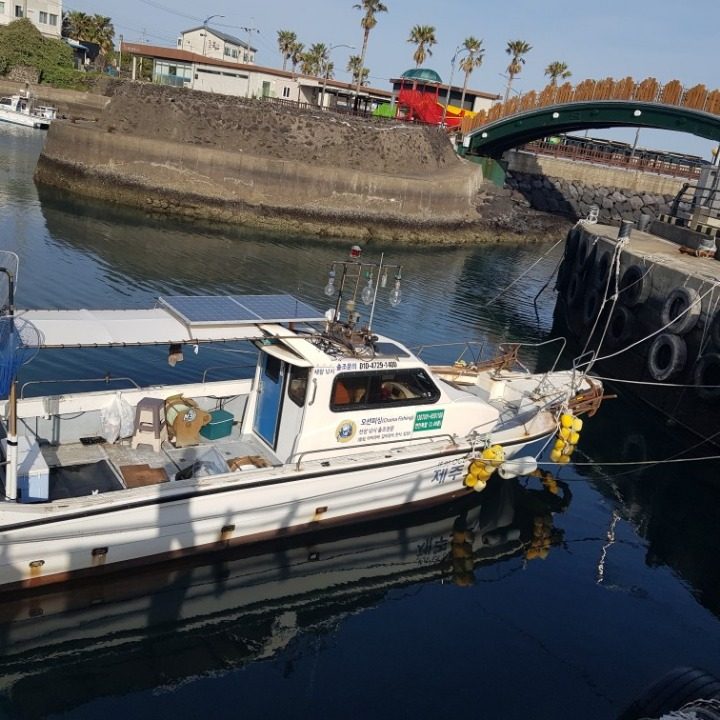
(53, 20)
(18, 11)
(286, 92)
(43, 17)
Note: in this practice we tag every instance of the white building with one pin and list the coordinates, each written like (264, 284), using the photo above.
(217, 45)
(194, 71)
(46, 15)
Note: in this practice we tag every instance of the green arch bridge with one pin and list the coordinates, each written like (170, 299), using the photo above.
(494, 138)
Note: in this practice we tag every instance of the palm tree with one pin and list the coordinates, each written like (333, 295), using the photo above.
(424, 37)
(286, 42)
(368, 22)
(356, 69)
(516, 49)
(473, 59)
(315, 60)
(296, 54)
(557, 70)
(96, 29)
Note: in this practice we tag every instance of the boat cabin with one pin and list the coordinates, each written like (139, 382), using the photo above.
(313, 398)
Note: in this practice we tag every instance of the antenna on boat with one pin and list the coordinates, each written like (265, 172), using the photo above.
(354, 270)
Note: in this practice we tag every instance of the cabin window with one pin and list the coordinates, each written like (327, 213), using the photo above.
(297, 387)
(272, 368)
(390, 388)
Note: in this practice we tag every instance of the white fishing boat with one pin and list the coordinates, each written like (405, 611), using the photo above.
(337, 425)
(23, 110)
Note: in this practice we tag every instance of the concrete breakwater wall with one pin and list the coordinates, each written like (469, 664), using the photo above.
(662, 332)
(230, 159)
(571, 187)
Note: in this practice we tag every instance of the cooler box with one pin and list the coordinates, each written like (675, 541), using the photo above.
(33, 481)
(220, 425)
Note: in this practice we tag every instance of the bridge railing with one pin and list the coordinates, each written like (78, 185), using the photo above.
(642, 161)
(649, 90)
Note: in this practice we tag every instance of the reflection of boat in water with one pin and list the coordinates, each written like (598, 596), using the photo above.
(159, 629)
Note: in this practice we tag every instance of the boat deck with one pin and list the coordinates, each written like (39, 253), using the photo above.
(77, 470)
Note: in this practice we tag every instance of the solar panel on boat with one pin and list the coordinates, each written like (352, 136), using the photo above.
(239, 309)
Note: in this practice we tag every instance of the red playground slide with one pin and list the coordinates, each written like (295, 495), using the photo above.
(425, 107)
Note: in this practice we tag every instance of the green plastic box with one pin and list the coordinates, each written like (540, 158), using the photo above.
(220, 425)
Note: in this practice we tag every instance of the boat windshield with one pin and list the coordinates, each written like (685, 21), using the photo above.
(363, 391)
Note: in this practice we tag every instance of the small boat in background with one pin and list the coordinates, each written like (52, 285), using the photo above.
(22, 110)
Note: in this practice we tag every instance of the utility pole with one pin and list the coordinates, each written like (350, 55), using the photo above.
(120, 57)
(205, 29)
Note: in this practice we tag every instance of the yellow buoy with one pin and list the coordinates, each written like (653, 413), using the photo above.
(471, 480)
(555, 456)
(559, 444)
(577, 425)
(563, 459)
(481, 485)
(564, 433)
(566, 420)
(574, 438)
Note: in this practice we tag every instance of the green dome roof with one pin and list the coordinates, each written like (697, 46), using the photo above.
(425, 74)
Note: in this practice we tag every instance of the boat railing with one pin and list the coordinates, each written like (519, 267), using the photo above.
(415, 441)
(468, 350)
(225, 367)
(106, 379)
(471, 354)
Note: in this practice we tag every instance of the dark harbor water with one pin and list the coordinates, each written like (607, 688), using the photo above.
(566, 606)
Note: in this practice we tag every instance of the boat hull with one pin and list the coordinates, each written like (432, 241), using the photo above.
(93, 536)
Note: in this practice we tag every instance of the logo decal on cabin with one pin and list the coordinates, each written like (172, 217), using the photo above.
(428, 420)
(345, 431)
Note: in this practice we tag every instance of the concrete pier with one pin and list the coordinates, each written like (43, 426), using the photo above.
(651, 310)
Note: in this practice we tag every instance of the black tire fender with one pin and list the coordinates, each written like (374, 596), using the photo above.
(621, 327)
(583, 249)
(714, 330)
(601, 269)
(667, 356)
(575, 288)
(681, 310)
(707, 373)
(592, 305)
(634, 286)
(675, 689)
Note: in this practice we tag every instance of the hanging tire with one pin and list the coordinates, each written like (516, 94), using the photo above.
(563, 275)
(575, 289)
(621, 327)
(591, 306)
(584, 246)
(571, 244)
(601, 270)
(706, 376)
(681, 310)
(714, 330)
(679, 687)
(634, 286)
(667, 356)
